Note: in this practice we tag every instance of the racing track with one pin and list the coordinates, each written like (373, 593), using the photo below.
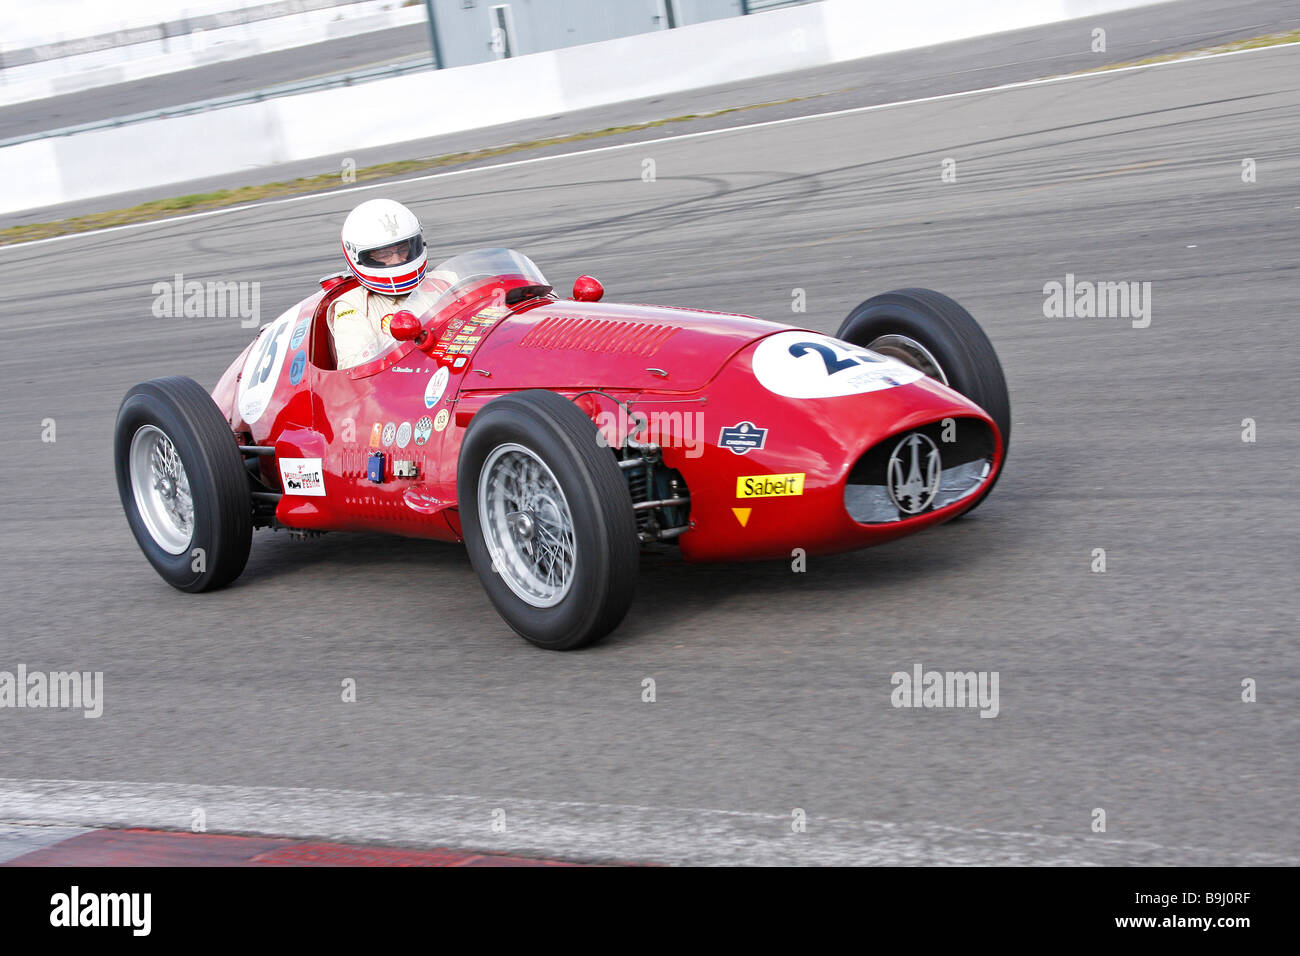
(1118, 690)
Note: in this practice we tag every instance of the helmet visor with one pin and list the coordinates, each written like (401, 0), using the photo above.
(392, 255)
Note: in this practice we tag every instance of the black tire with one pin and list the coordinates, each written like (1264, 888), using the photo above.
(952, 336)
(222, 524)
(606, 549)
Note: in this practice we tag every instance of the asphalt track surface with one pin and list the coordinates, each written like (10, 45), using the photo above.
(979, 63)
(1118, 690)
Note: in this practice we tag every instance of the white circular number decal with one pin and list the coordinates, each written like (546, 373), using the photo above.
(809, 365)
(262, 367)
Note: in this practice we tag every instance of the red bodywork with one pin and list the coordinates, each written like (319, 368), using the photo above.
(661, 360)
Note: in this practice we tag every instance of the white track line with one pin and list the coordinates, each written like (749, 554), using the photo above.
(574, 830)
(388, 184)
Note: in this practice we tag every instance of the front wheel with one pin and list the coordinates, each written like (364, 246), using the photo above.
(183, 485)
(547, 519)
(932, 333)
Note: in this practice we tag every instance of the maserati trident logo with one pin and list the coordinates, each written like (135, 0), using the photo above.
(914, 473)
(390, 224)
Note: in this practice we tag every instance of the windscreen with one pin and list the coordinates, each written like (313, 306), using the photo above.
(459, 271)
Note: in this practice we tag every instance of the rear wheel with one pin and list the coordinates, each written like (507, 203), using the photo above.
(547, 520)
(183, 485)
(932, 333)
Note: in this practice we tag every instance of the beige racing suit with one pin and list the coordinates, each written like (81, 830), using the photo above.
(358, 320)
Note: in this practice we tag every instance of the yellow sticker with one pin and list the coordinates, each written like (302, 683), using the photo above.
(440, 420)
(769, 486)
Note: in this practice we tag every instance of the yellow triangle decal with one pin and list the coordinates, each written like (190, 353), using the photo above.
(742, 515)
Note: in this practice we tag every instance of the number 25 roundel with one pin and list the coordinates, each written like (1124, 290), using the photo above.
(262, 367)
(808, 365)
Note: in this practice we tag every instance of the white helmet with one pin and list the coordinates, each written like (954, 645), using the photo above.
(384, 246)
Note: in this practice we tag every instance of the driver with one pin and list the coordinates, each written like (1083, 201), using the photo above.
(385, 250)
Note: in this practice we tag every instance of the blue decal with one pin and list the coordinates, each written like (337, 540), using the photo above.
(742, 438)
(299, 333)
(297, 368)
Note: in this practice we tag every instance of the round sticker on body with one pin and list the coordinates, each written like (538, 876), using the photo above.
(437, 385)
(403, 434)
(300, 333)
(440, 420)
(810, 365)
(423, 429)
(390, 433)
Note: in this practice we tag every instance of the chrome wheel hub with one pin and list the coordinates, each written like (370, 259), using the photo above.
(910, 352)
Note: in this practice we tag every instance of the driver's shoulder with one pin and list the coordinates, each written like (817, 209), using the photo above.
(350, 304)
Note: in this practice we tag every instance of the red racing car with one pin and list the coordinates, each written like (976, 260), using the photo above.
(556, 437)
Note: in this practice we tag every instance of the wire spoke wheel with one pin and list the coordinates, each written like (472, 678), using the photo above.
(162, 489)
(527, 525)
(547, 519)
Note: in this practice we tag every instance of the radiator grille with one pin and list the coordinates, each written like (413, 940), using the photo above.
(964, 460)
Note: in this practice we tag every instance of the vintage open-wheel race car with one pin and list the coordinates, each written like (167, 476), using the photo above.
(557, 437)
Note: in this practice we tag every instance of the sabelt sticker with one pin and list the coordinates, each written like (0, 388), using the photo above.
(809, 365)
(302, 476)
(403, 434)
(769, 486)
(261, 371)
(437, 385)
(440, 420)
(390, 433)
